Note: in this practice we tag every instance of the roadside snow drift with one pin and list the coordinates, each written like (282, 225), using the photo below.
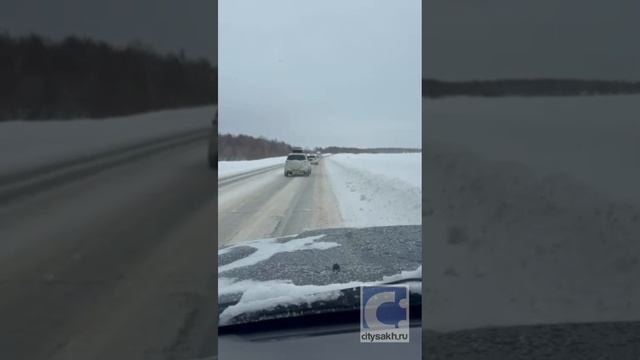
(28, 144)
(595, 139)
(377, 189)
(229, 168)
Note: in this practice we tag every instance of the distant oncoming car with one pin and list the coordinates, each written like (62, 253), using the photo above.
(313, 159)
(297, 163)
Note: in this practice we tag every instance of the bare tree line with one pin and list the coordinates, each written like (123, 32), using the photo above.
(43, 79)
(527, 87)
(245, 147)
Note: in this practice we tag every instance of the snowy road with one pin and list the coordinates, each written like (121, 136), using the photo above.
(344, 190)
(116, 263)
(269, 204)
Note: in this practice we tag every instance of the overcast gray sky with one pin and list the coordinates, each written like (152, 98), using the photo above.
(321, 73)
(166, 25)
(472, 39)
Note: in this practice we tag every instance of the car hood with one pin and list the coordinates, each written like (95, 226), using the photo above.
(313, 267)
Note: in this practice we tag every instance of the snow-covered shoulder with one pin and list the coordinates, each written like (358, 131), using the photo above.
(229, 168)
(28, 144)
(377, 189)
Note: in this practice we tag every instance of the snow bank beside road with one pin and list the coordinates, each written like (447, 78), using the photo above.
(592, 138)
(529, 217)
(229, 168)
(28, 144)
(377, 189)
(404, 167)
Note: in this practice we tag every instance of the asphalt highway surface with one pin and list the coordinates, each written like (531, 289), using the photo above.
(266, 204)
(111, 257)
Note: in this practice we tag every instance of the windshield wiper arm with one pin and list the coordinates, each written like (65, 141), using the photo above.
(403, 281)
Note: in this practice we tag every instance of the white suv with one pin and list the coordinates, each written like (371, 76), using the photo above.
(297, 163)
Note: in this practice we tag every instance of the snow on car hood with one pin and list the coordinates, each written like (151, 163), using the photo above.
(298, 269)
(266, 248)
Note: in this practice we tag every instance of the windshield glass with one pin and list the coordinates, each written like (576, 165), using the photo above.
(290, 235)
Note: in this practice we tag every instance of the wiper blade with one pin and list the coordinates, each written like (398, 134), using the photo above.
(403, 281)
(312, 316)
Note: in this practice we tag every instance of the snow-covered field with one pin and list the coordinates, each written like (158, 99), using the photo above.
(228, 168)
(530, 215)
(377, 189)
(596, 139)
(28, 144)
